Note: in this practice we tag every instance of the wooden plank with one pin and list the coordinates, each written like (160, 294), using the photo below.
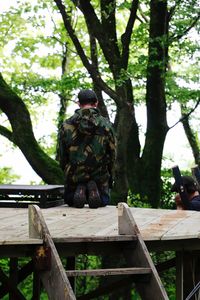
(22, 203)
(82, 223)
(17, 241)
(55, 280)
(144, 217)
(97, 239)
(12, 188)
(188, 227)
(109, 272)
(139, 256)
(163, 226)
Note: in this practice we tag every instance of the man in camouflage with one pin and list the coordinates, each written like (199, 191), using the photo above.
(87, 154)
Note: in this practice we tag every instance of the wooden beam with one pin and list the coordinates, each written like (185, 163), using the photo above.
(105, 289)
(71, 265)
(179, 275)
(10, 287)
(22, 274)
(13, 275)
(36, 286)
(55, 281)
(166, 265)
(108, 272)
(95, 239)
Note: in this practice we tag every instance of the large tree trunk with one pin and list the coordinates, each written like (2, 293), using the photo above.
(22, 135)
(150, 165)
(128, 144)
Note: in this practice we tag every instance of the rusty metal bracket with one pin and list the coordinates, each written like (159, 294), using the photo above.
(42, 258)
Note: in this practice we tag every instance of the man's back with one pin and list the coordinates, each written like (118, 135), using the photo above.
(89, 144)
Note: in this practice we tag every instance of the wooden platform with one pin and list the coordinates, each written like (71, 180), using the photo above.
(71, 231)
(160, 229)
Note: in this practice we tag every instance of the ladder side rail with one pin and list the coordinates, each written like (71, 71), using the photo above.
(54, 280)
(140, 256)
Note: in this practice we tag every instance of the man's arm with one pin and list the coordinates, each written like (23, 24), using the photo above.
(180, 187)
(112, 148)
(62, 153)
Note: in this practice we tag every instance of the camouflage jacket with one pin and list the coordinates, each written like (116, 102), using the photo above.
(87, 147)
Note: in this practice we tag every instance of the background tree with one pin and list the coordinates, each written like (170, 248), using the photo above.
(129, 52)
(102, 23)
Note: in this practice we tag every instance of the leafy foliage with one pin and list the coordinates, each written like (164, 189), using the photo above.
(7, 176)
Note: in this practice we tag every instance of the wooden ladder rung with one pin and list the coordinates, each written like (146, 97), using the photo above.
(98, 239)
(107, 272)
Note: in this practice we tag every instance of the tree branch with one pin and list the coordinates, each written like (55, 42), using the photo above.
(94, 57)
(142, 14)
(104, 32)
(179, 36)
(90, 68)
(126, 37)
(186, 115)
(7, 133)
(172, 9)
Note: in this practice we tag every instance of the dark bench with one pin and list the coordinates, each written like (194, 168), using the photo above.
(23, 195)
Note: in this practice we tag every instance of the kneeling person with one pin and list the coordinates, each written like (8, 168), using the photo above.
(87, 148)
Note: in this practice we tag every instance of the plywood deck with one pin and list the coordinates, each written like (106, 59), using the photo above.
(70, 223)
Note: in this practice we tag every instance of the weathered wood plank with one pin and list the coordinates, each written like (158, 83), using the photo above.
(86, 239)
(55, 281)
(19, 241)
(163, 225)
(83, 223)
(109, 272)
(64, 221)
(188, 227)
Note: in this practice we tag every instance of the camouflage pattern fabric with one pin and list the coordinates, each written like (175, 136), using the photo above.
(87, 147)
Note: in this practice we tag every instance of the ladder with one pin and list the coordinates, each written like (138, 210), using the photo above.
(139, 268)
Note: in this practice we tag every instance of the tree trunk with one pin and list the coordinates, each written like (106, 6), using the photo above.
(149, 166)
(128, 147)
(23, 136)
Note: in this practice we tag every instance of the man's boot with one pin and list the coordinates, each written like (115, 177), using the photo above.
(80, 196)
(94, 199)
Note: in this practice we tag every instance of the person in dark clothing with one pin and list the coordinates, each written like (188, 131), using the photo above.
(87, 151)
(193, 194)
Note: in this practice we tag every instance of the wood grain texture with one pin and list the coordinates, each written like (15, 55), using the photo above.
(63, 222)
